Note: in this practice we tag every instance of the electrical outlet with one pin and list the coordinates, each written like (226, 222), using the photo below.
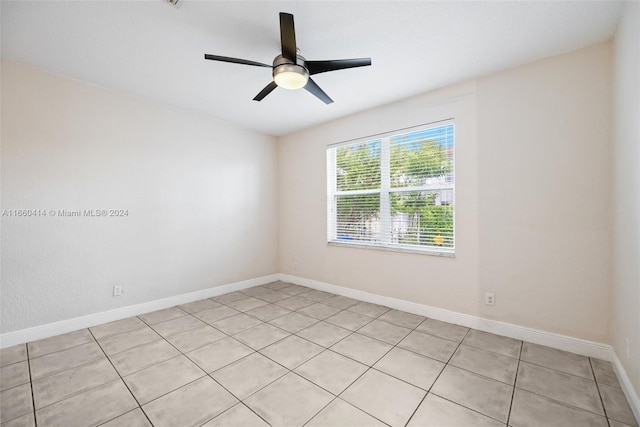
(295, 265)
(117, 290)
(628, 348)
(490, 298)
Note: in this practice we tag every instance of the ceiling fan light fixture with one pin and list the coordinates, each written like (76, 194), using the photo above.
(290, 76)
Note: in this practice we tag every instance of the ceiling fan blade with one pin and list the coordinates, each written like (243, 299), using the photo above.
(266, 91)
(288, 37)
(234, 60)
(317, 67)
(319, 93)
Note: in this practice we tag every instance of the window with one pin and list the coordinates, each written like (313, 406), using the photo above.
(394, 190)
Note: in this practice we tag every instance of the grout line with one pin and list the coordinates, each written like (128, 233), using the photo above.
(121, 379)
(33, 399)
(515, 380)
(599, 393)
(321, 409)
(441, 371)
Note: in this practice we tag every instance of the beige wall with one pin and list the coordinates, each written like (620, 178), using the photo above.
(532, 192)
(625, 306)
(200, 194)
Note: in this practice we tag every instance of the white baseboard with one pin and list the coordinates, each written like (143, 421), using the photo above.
(56, 328)
(627, 387)
(560, 342)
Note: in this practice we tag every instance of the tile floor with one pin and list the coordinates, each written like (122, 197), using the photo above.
(286, 355)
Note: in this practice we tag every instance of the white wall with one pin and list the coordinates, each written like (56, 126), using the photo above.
(201, 196)
(625, 306)
(544, 184)
(532, 192)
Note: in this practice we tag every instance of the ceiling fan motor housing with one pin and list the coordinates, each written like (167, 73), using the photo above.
(290, 75)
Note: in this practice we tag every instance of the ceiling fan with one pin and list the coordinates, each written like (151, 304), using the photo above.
(290, 69)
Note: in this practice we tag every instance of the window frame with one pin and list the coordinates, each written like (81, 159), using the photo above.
(385, 191)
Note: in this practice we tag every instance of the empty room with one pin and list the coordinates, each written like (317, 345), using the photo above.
(320, 213)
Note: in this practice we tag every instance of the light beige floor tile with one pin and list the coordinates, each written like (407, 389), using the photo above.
(238, 416)
(90, 408)
(616, 405)
(489, 397)
(117, 327)
(230, 297)
(293, 322)
(340, 413)
(238, 323)
(492, 365)
(14, 354)
(15, 402)
(349, 320)
(268, 312)
(115, 344)
(383, 331)
(612, 423)
(195, 338)
(276, 286)
(289, 401)
(295, 303)
(331, 371)
(493, 343)
(157, 380)
(142, 357)
(435, 411)
(402, 318)
(246, 376)
(429, 345)
(566, 388)
(214, 356)
(191, 405)
(533, 410)
(362, 348)
(368, 309)
(246, 304)
(59, 342)
(178, 325)
(410, 367)
(54, 363)
(319, 311)
(256, 290)
(557, 359)
(323, 334)
(214, 314)
(294, 289)
(292, 351)
(27, 420)
(162, 315)
(272, 296)
(318, 296)
(340, 301)
(65, 384)
(261, 336)
(386, 398)
(197, 306)
(444, 330)
(135, 418)
(604, 372)
(14, 375)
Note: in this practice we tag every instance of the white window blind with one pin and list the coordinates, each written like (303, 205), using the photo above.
(394, 190)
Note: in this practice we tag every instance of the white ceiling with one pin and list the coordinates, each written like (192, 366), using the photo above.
(154, 50)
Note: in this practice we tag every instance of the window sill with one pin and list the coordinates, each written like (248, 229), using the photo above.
(447, 253)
